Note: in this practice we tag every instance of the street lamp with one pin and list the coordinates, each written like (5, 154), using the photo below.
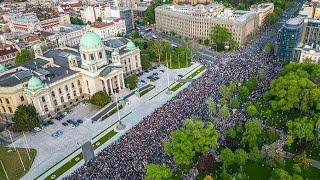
(120, 126)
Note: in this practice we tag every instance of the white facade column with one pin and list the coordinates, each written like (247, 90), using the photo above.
(122, 77)
(118, 81)
(110, 83)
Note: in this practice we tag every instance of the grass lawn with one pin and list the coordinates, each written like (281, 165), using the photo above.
(79, 157)
(177, 86)
(257, 171)
(12, 164)
(195, 73)
(145, 91)
(110, 113)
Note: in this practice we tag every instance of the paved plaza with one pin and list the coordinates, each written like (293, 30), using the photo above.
(51, 150)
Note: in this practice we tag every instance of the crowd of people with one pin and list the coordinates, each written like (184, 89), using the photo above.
(127, 157)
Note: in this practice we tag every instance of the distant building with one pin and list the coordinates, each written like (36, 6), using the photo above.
(197, 21)
(110, 28)
(92, 13)
(310, 10)
(59, 78)
(7, 54)
(36, 19)
(71, 33)
(305, 52)
(289, 37)
(126, 14)
(263, 10)
(193, 2)
(311, 32)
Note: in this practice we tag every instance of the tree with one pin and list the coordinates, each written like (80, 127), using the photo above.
(240, 157)
(99, 19)
(205, 163)
(23, 56)
(252, 110)
(255, 155)
(220, 36)
(296, 168)
(301, 128)
(303, 161)
(244, 92)
(227, 158)
(252, 84)
(193, 139)
(192, 46)
(76, 20)
(224, 111)
(280, 174)
(135, 34)
(252, 131)
(272, 154)
(100, 99)
(131, 81)
(271, 18)
(157, 47)
(211, 105)
(25, 118)
(157, 172)
(231, 133)
(208, 177)
(234, 103)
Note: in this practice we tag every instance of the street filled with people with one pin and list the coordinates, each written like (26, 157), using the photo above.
(127, 157)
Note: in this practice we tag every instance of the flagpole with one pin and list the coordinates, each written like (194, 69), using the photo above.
(17, 151)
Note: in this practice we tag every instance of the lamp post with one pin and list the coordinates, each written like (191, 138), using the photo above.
(168, 79)
(120, 126)
(17, 151)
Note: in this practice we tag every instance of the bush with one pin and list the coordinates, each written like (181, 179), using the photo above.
(25, 118)
(131, 81)
(100, 99)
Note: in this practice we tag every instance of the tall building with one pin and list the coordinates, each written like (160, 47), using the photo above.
(289, 37)
(126, 14)
(263, 10)
(311, 32)
(197, 21)
(58, 78)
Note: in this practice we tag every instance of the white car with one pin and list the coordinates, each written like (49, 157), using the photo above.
(73, 126)
(37, 129)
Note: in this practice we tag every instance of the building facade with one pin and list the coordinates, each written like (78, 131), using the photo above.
(197, 21)
(311, 32)
(58, 78)
(110, 28)
(126, 14)
(263, 10)
(193, 2)
(289, 37)
(303, 53)
(8, 54)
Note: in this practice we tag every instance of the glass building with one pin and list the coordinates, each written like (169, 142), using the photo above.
(289, 37)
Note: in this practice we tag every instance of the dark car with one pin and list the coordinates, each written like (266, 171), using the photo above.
(70, 121)
(146, 71)
(155, 74)
(150, 77)
(154, 67)
(162, 70)
(65, 124)
(179, 75)
(50, 122)
(60, 117)
(143, 81)
(79, 121)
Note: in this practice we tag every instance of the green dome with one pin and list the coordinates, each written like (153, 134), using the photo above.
(115, 53)
(34, 83)
(130, 46)
(2, 68)
(90, 41)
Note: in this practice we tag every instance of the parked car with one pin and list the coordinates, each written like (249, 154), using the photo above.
(161, 70)
(143, 81)
(41, 126)
(65, 124)
(180, 76)
(79, 121)
(50, 122)
(155, 74)
(57, 133)
(70, 121)
(73, 126)
(37, 129)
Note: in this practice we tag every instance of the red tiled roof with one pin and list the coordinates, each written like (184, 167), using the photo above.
(7, 49)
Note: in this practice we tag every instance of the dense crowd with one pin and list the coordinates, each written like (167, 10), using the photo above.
(127, 157)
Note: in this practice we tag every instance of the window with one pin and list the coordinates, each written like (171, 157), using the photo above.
(43, 99)
(3, 109)
(74, 93)
(84, 57)
(91, 57)
(1, 101)
(7, 101)
(55, 102)
(45, 108)
(10, 109)
(79, 83)
(100, 55)
(61, 98)
(60, 91)
(72, 85)
(80, 90)
(52, 93)
(68, 95)
(66, 87)
(22, 98)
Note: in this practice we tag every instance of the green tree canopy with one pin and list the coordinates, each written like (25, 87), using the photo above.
(301, 128)
(76, 20)
(131, 81)
(227, 157)
(221, 36)
(235, 103)
(211, 105)
(23, 56)
(100, 99)
(224, 111)
(280, 174)
(135, 34)
(252, 110)
(252, 132)
(194, 139)
(25, 118)
(157, 172)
